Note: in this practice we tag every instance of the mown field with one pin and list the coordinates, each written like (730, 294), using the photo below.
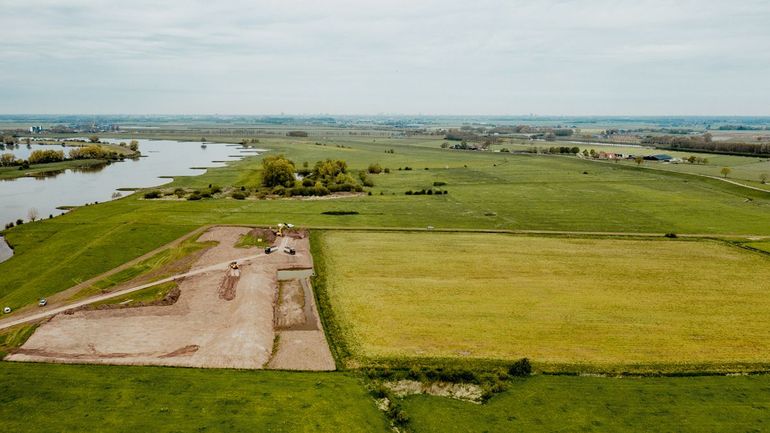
(78, 398)
(595, 404)
(564, 303)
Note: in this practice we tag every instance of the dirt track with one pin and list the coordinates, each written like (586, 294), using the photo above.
(202, 329)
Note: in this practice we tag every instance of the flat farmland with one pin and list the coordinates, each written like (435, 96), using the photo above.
(584, 303)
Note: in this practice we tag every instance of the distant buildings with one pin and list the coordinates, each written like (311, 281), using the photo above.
(35, 129)
(659, 157)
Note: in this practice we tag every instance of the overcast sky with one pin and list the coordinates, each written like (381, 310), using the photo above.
(604, 57)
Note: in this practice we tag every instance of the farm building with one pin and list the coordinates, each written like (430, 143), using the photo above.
(659, 157)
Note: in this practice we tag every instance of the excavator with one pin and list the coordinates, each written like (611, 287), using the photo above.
(282, 227)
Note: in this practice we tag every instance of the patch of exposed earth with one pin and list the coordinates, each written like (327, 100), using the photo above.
(205, 327)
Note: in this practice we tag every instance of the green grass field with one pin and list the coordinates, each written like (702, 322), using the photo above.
(564, 303)
(593, 404)
(57, 398)
(629, 314)
(173, 260)
(486, 190)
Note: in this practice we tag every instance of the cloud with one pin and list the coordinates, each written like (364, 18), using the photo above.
(483, 57)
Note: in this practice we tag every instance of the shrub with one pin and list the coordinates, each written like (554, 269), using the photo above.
(386, 170)
(671, 235)
(375, 168)
(439, 183)
(215, 189)
(238, 195)
(409, 192)
(521, 367)
(194, 196)
(152, 194)
(45, 156)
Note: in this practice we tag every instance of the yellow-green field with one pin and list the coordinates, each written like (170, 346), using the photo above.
(598, 303)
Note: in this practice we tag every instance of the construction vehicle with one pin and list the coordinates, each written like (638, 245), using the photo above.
(269, 250)
(289, 250)
(282, 227)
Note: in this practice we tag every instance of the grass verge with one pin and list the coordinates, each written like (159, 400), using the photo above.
(14, 337)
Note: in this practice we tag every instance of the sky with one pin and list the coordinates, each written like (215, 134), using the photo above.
(483, 57)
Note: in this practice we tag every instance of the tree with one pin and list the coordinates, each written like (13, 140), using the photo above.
(638, 160)
(93, 139)
(27, 141)
(277, 171)
(763, 178)
(7, 159)
(134, 145)
(32, 214)
(725, 171)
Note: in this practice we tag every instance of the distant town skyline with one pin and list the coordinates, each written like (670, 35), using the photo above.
(552, 57)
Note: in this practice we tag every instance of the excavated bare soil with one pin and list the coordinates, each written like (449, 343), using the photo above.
(206, 326)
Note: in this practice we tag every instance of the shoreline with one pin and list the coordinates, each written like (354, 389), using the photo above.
(6, 252)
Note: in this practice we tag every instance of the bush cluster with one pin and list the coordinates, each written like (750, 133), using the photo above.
(427, 192)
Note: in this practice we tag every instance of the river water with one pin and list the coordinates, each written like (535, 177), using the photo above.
(81, 186)
(5, 251)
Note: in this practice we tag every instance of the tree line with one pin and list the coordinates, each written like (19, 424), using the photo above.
(705, 143)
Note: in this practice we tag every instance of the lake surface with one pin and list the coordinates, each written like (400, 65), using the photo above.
(5, 251)
(81, 186)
